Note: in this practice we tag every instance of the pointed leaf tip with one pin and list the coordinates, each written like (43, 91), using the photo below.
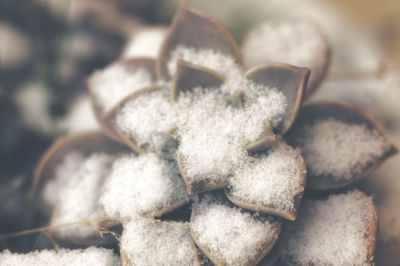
(126, 66)
(189, 76)
(340, 144)
(290, 80)
(192, 29)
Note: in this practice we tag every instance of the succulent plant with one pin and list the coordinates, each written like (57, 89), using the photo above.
(232, 145)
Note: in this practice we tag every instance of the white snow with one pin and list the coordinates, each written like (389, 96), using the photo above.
(295, 43)
(272, 180)
(78, 197)
(62, 173)
(110, 85)
(147, 119)
(62, 257)
(145, 42)
(80, 116)
(142, 185)
(331, 232)
(233, 236)
(210, 59)
(213, 135)
(332, 147)
(153, 242)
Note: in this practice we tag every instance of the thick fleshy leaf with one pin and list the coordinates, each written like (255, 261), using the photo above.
(127, 66)
(155, 242)
(273, 256)
(197, 186)
(266, 141)
(101, 238)
(228, 235)
(110, 119)
(272, 183)
(161, 192)
(296, 43)
(340, 144)
(189, 76)
(193, 29)
(290, 80)
(85, 143)
(324, 229)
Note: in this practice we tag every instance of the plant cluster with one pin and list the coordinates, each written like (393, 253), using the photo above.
(197, 132)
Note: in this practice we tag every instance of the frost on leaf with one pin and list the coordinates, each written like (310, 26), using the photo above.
(339, 144)
(299, 44)
(62, 257)
(145, 120)
(153, 242)
(229, 235)
(213, 135)
(208, 58)
(63, 159)
(112, 84)
(196, 31)
(77, 198)
(271, 183)
(340, 230)
(144, 185)
(63, 171)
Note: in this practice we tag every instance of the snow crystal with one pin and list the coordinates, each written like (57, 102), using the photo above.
(210, 59)
(62, 173)
(149, 242)
(110, 85)
(147, 119)
(332, 147)
(233, 236)
(274, 179)
(331, 232)
(142, 185)
(78, 198)
(145, 43)
(62, 257)
(298, 44)
(213, 135)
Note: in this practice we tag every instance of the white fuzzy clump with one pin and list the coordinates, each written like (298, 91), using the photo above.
(233, 237)
(62, 257)
(298, 44)
(62, 173)
(213, 135)
(208, 58)
(331, 232)
(332, 147)
(142, 185)
(78, 198)
(147, 119)
(274, 179)
(33, 100)
(80, 116)
(110, 85)
(149, 242)
(145, 43)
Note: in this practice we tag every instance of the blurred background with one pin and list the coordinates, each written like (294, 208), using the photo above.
(49, 47)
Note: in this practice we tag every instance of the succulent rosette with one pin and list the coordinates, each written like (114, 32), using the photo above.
(236, 146)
